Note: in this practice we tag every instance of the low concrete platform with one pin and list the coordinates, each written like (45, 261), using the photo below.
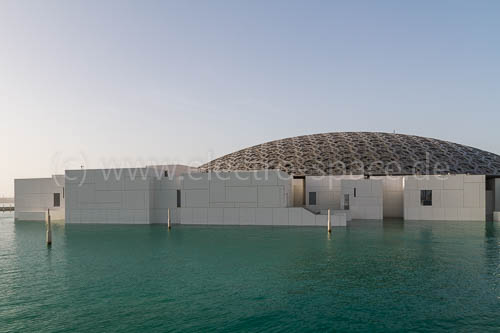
(41, 216)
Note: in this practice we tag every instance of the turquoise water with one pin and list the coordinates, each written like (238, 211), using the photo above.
(371, 276)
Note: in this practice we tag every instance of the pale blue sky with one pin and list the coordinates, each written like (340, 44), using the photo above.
(185, 81)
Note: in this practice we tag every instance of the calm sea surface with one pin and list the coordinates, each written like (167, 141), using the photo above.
(391, 276)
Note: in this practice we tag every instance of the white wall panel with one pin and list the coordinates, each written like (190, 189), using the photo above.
(246, 204)
(270, 196)
(186, 215)
(112, 197)
(113, 216)
(37, 195)
(196, 198)
(325, 198)
(453, 198)
(453, 182)
(321, 220)
(215, 216)
(431, 183)
(410, 183)
(368, 202)
(200, 215)
(108, 180)
(86, 193)
(108, 196)
(451, 214)
(223, 204)
(169, 183)
(308, 218)
(474, 179)
(241, 194)
(295, 216)
(437, 198)
(247, 216)
(136, 184)
(231, 216)
(471, 195)
(217, 192)
(264, 216)
(265, 178)
(280, 216)
(195, 181)
(427, 213)
(460, 197)
(165, 199)
(134, 200)
(239, 179)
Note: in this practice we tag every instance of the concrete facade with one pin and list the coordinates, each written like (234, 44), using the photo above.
(366, 198)
(126, 195)
(144, 196)
(329, 194)
(454, 197)
(268, 216)
(215, 197)
(108, 196)
(327, 189)
(338, 171)
(33, 197)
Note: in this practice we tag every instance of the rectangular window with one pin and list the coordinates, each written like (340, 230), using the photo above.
(57, 199)
(355, 192)
(166, 173)
(63, 192)
(178, 198)
(312, 198)
(346, 201)
(426, 197)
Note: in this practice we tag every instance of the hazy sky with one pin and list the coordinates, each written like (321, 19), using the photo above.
(109, 83)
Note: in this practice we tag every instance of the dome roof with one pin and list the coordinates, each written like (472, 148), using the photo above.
(360, 153)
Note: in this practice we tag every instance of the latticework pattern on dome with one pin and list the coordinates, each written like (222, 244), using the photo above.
(360, 153)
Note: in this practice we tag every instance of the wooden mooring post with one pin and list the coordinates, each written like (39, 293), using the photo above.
(168, 219)
(329, 221)
(49, 229)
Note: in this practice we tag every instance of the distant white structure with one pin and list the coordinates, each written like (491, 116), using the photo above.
(33, 197)
(293, 181)
(5, 200)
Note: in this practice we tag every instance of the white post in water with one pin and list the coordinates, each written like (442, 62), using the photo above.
(168, 218)
(49, 229)
(329, 221)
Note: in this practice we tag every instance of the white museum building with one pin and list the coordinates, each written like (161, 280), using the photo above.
(289, 182)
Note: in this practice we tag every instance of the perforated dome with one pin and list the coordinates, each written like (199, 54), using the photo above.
(360, 153)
